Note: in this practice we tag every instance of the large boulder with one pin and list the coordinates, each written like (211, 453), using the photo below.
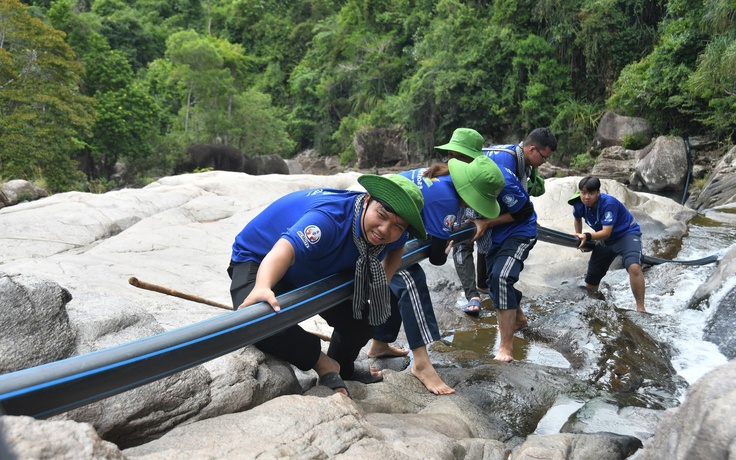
(703, 426)
(612, 128)
(265, 164)
(616, 163)
(35, 328)
(379, 147)
(312, 163)
(720, 190)
(19, 190)
(213, 156)
(663, 165)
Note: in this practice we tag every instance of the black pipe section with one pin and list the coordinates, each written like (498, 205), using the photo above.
(60, 386)
(565, 239)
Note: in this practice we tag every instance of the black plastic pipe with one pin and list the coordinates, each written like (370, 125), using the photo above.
(57, 387)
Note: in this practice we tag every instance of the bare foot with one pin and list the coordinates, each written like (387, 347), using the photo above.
(431, 380)
(382, 349)
(504, 356)
(640, 309)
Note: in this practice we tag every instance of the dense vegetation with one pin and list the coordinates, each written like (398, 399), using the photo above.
(103, 81)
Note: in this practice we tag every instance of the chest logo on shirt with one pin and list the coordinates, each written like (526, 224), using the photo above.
(509, 200)
(450, 221)
(311, 234)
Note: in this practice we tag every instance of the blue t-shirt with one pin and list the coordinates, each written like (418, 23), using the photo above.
(511, 199)
(317, 223)
(608, 211)
(502, 156)
(441, 212)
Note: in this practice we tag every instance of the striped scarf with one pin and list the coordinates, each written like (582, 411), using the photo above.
(370, 277)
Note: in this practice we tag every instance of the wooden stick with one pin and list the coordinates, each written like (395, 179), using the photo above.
(164, 290)
(194, 298)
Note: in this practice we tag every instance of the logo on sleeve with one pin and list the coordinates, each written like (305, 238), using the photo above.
(310, 235)
(313, 233)
(608, 216)
(509, 200)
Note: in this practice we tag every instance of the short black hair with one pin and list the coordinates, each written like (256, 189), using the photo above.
(385, 205)
(542, 138)
(589, 184)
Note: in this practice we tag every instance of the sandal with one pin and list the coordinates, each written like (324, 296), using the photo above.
(473, 307)
(333, 381)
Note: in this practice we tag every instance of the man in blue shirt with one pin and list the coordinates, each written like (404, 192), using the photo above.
(616, 233)
(310, 234)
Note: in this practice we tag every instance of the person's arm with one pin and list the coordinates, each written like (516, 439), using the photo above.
(272, 269)
(481, 225)
(391, 262)
(602, 234)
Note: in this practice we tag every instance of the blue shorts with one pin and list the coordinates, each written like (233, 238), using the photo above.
(628, 247)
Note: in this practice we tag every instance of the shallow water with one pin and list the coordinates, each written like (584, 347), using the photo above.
(483, 339)
(679, 326)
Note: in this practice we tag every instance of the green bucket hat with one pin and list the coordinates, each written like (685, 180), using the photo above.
(575, 196)
(478, 183)
(402, 195)
(466, 141)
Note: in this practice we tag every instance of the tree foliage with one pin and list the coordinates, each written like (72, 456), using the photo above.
(280, 76)
(43, 116)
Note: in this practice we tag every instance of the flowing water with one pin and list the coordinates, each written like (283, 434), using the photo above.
(680, 326)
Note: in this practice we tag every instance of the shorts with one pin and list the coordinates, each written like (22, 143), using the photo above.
(628, 247)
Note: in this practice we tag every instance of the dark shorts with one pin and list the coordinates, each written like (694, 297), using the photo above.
(294, 344)
(628, 247)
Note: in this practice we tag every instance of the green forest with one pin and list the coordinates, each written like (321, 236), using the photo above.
(97, 82)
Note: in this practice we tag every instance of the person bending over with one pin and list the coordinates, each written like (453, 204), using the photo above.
(310, 234)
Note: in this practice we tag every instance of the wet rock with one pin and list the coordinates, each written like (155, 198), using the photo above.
(703, 426)
(607, 415)
(719, 329)
(601, 446)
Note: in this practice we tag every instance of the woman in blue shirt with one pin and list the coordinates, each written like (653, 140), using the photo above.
(616, 233)
(310, 234)
(447, 189)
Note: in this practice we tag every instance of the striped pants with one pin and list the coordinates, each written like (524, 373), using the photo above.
(410, 304)
(504, 264)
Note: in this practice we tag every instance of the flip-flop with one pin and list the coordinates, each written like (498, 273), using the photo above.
(333, 381)
(472, 303)
(362, 373)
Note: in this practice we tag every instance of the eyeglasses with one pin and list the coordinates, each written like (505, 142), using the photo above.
(544, 157)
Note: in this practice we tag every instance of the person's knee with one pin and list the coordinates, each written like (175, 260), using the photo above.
(635, 270)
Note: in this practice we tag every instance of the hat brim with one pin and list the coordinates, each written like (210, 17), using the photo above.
(395, 196)
(572, 199)
(478, 201)
(462, 149)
